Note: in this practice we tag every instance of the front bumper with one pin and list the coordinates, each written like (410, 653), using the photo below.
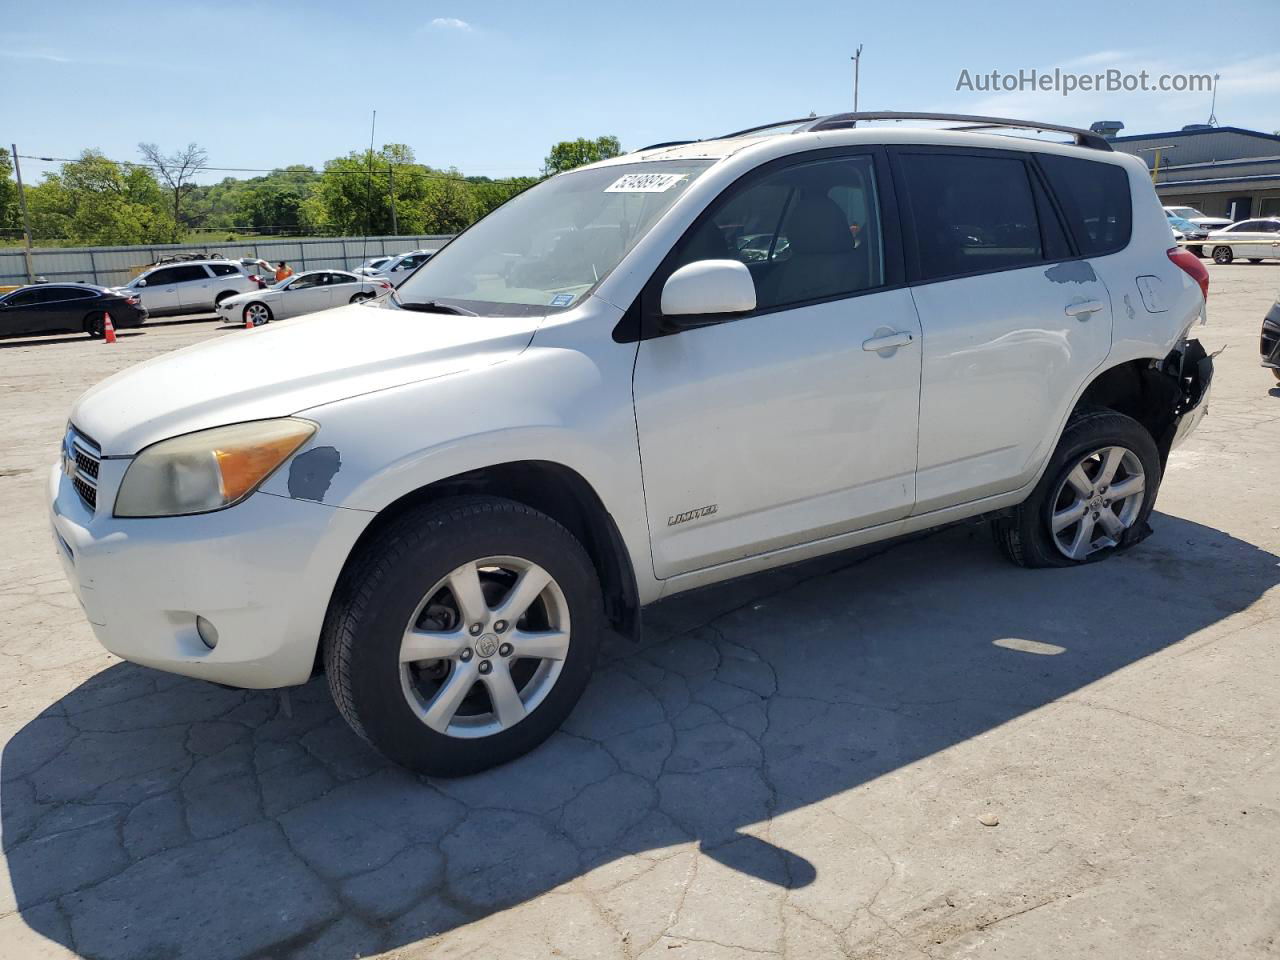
(1270, 343)
(261, 572)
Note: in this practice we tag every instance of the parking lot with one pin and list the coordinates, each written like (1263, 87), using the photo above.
(1048, 763)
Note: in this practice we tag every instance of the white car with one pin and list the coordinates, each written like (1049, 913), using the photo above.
(1196, 217)
(1252, 240)
(302, 293)
(372, 264)
(444, 503)
(398, 267)
(191, 287)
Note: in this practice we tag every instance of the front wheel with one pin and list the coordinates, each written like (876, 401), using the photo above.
(463, 634)
(1223, 255)
(257, 314)
(93, 325)
(1093, 499)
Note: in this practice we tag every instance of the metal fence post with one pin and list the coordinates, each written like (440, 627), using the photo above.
(93, 267)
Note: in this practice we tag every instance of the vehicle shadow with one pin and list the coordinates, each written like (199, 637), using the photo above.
(146, 815)
(61, 338)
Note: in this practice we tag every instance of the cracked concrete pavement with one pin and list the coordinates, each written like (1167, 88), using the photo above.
(793, 765)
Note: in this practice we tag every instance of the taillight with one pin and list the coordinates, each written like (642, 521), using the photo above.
(1192, 266)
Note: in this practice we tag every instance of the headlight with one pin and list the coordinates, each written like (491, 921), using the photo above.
(207, 470)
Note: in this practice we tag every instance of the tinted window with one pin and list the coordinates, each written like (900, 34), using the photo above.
(68, 293)
(971, 214)
(806, 232)
(1095, 198)
(25, 298)
(223, 269)
(188, 273)
(341, 278)
(161, 277)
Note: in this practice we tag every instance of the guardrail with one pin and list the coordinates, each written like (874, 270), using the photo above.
(109, 266)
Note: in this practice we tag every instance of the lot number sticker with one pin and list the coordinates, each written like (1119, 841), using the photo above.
(644, 183)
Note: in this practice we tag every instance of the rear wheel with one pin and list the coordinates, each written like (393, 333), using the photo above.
(1255, 259)
(361, 297)
(224, 295)
(463, 634)
(257, 314)
(1094, 498)
(1223, 255)
(1276, 371)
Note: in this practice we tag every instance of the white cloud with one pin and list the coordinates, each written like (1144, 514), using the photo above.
(451, 23)
(46, 55)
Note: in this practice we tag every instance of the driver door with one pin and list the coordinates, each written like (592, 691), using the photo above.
(306, 294)
(793, 422)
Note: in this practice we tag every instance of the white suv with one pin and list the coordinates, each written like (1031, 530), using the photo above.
(645, 375)
(190, 287)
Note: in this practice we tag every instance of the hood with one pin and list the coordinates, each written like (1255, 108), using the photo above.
(288, 367)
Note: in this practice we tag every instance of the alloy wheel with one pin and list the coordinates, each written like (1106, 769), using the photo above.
(1098, 500)
(257, 313)
(484, 647)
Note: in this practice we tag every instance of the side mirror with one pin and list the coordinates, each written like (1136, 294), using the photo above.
(141, 283)
(707, 289)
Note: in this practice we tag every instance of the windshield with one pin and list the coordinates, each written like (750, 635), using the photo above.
(1186, 212)
(548, 247)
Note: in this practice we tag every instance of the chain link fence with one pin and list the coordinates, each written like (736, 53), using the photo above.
(110, 266)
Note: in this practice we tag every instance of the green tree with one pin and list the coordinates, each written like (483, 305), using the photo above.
(568, 154)
(354, 192)
(94, 200)
(10, 217)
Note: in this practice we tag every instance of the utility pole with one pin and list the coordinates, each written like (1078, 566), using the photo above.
(856, 58)
(26, 222)
(391, 183)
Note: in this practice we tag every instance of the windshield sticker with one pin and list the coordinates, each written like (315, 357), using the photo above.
(562, 299)
(645, 183)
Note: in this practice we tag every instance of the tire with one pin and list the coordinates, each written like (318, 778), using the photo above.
(256, 313)
(360, 297)
(1196, 249)
(401, 579)
(224, 295)
(1027, 538)
(1276, 371)
(1223, 255)
(93, 325)
(1255, 259)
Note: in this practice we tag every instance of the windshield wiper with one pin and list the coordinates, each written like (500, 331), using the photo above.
(435, 306)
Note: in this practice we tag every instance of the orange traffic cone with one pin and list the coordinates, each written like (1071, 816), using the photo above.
(108, 328)
(248, 324)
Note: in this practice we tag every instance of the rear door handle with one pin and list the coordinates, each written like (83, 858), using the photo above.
(887, 342)
(1083, 309)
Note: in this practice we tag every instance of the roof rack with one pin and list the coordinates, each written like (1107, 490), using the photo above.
(839, 121)
(665, 143)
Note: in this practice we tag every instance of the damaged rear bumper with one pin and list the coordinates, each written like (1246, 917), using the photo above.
(1192, 367)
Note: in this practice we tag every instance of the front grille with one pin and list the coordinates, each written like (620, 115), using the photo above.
(88, 492)
(80, 451)
(1269, 339)
(86, 464)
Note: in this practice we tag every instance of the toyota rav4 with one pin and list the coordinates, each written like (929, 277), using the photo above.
(645, 375)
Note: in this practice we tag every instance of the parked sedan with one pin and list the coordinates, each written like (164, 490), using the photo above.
(59, 307)
(302, 293)
(1252, 240)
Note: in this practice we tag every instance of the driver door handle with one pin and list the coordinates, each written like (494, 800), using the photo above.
(887, 342)
(1084, 309)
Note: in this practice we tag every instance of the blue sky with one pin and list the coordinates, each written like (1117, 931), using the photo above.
(489, 86)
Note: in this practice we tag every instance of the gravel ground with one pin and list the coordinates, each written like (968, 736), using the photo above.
(908, 752)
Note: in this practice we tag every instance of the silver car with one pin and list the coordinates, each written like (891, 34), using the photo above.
(300, 294)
